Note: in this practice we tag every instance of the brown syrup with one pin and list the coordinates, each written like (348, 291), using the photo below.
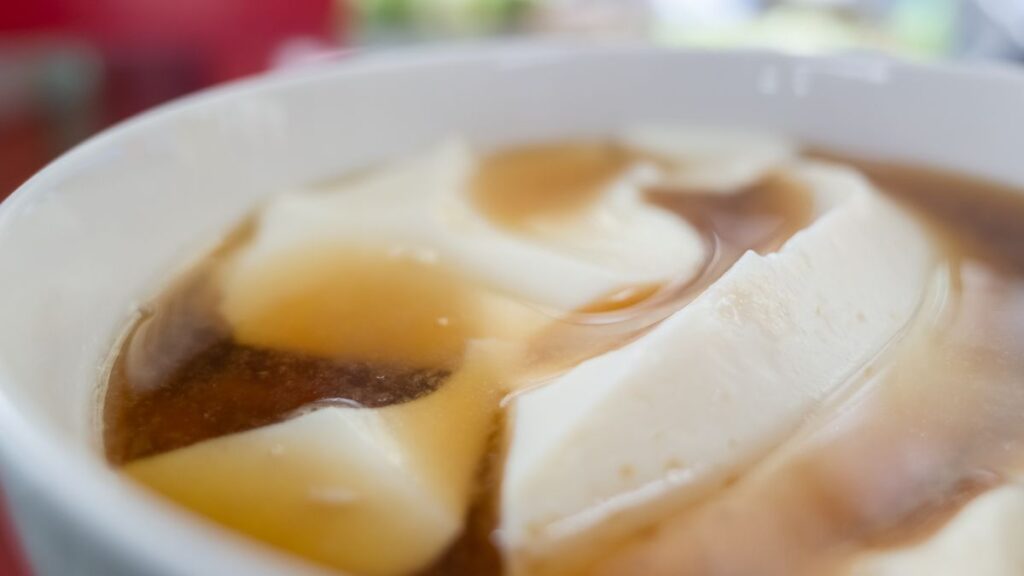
(185, 376)
(518, 184)
(228, 387)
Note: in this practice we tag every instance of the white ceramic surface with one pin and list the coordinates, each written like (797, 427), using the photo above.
(101, 228)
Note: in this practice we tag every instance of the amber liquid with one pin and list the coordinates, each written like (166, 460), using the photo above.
(361, 329)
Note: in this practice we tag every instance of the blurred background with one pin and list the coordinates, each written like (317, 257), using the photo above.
(71, 67)
(68, 68)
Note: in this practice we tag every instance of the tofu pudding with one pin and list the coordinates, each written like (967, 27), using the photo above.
(673, 351)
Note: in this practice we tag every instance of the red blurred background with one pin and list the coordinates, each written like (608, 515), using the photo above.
(11, 561)
(71, 67)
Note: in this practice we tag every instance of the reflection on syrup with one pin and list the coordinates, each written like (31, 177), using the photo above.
(760, 218)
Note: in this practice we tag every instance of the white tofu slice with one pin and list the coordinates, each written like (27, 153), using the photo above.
(572, 260)
(421, 207)
(621, 438)
(714, 160)
(378, 492)
(984, 539)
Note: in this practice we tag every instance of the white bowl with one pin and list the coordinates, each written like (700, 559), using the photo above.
(103, 227)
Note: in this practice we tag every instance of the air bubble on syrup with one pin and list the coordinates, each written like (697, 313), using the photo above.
(420, 255)
(331, 496)
(324, 403)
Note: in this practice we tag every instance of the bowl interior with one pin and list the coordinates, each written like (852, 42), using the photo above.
(100, 230)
